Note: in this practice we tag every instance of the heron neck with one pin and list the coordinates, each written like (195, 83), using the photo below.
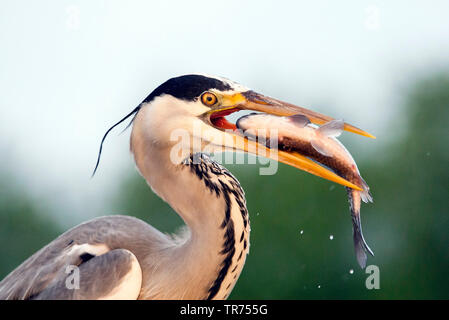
(211, 203)
(182, 190)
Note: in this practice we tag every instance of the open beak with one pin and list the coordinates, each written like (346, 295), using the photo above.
(251, 100)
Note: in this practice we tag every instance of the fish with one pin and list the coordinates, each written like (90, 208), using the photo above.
(319, 143)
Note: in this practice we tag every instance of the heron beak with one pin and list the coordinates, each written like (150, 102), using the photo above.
(294, 159)
(251, 100)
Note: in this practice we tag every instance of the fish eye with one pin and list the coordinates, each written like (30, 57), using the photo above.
(209, 99)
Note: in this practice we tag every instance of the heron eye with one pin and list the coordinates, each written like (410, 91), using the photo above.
(208, 99)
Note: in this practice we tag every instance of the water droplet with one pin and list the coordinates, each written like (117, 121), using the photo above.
(319, 286)
(351, 271)
(257, 213)
(331, 237)
(301, 232)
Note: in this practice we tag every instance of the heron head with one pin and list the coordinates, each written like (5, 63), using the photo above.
(187, 115)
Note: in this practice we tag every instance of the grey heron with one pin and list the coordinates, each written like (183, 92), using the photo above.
(122, 257)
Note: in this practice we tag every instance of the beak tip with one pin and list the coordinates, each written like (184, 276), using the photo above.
(356, 130)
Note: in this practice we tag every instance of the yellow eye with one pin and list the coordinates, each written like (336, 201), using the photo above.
(208, 99)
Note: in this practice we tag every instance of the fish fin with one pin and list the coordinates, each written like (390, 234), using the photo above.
(365, 195)
(332, 128)
(319, 146)
(299, 120)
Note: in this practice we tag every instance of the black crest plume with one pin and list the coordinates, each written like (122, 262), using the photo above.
(134, 112)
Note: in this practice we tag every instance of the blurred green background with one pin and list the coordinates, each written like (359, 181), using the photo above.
(407, 226)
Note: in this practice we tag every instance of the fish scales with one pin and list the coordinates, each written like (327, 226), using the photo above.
(336, 164)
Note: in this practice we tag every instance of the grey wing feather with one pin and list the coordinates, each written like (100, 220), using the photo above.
(37, 272)
(43, 269)
(97, 278)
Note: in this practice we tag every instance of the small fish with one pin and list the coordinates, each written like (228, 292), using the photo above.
(297, 133)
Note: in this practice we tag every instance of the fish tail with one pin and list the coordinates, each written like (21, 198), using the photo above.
(360, 245)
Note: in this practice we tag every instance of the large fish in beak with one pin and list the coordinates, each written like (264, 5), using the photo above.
(250, 100)
(296, 133)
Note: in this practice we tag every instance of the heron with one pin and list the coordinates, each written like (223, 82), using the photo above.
(122, 257)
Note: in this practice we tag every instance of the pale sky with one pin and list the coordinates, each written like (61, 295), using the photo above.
(70, 69)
